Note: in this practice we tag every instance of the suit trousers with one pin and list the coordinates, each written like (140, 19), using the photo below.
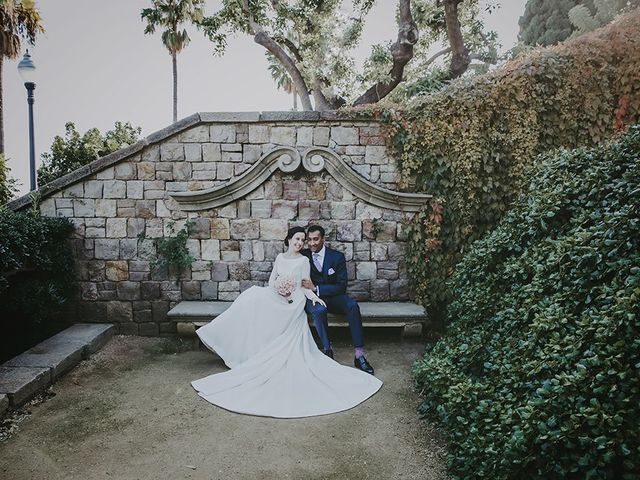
(340, 304)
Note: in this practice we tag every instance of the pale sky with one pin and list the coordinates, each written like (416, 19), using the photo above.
(95, 66)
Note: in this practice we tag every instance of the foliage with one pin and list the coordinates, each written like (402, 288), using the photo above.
(8, 185)
(36, 269)
(471, 143)
(319, 39)
(172, 252)
(75, 150)
(584, 20)
(537, 376)
(546, 22)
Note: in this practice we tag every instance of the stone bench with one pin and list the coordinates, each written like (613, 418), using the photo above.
(190, 315)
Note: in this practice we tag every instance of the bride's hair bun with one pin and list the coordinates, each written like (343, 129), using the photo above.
(292, 231)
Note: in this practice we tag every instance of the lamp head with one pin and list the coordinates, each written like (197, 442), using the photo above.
(27, 68)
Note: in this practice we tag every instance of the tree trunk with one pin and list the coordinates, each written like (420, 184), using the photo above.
(261, 38)
(401, 51)
(1, 108)
(174, 61)
(460, 58)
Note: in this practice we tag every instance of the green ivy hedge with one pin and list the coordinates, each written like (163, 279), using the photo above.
(537, 375)
(36, 267)
(471, 143)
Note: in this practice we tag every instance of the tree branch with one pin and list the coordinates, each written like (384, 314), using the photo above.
(459, 53)
(401, 51)
(261, 37)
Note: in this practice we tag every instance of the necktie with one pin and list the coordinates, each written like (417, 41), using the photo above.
(316, 261)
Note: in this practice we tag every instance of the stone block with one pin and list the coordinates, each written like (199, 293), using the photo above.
(210, 249)
(231, 157)
(362, 251)
(190, 290)
(365, 211)
(228, 296)
(211, 152)
(106, 174)
(345, 135)
(380, 290)
(308, 210)
(245, 229)
(171, 152)
(366, 270)
(228, 211)
(348, 231)
(197, 134)
(116, 227)
(246, 250)
(151, 154)
(273, 189)
(149, 290)
(128, 329)
(230, 286)
(257, 250)
(105, 208)
(20, 384)
(125, 171)
(93, 189)
(321, 136)
(316, 191)
(244, 209)
(251, 153)
(114, 189)
(239, 271)
(129, 248)
(261, 208)
(106, 249)
(272, 229)
(128, 290)
(209, 290)
(201, 228)
(220, 229)
(222, 133)
(304, 137)
(146, 170)
(159, 310)
(116, 270)
(258, 134)
(376, 155)
(182, 171)
(284, 209)
(135, 189)
(225, 171)
(84, 207)
(219, 272)
(343, 210)
(283, 136)
(378, 251)
(119, 311)
(399, 289)
(396, 251)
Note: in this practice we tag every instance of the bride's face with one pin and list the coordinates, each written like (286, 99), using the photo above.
(296, 242)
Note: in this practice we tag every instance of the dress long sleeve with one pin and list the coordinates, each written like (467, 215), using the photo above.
(274, 272)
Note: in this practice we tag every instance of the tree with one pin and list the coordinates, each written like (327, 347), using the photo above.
(171, 14)
(8, 185)
(282, 78)
(584, 20)
(319, 64)
(75, 150)
(20, 20)
(546, 22)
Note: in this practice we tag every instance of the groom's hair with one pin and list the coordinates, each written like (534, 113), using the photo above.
(316, 228)
(291, 233)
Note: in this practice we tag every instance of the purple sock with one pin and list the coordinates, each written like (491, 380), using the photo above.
(359, 352)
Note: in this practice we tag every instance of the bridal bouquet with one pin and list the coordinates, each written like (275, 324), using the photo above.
(285, 286)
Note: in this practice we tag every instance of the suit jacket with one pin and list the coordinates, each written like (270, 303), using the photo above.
(329, 284)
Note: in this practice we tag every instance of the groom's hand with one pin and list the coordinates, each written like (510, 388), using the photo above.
(307, 283)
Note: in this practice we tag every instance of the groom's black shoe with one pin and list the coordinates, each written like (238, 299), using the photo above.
(328, 353)
(363, 365)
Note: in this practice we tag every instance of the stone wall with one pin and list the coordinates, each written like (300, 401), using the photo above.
(119, 197)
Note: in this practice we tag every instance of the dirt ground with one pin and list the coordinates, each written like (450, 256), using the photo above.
(129, 412)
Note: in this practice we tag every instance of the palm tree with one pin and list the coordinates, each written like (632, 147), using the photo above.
(170, 14)
(19, 20)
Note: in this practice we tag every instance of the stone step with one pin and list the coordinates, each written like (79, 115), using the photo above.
(29, 373)
(190, 315)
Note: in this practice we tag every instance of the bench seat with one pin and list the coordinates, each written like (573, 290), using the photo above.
(190, 315)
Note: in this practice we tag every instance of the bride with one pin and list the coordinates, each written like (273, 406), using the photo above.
(276, 369)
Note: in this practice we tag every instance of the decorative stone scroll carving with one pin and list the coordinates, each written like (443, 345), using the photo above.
(288, 160)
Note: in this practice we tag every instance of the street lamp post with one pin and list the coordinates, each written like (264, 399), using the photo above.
(27, 69)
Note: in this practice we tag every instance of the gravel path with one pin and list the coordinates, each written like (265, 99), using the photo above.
(129, 412)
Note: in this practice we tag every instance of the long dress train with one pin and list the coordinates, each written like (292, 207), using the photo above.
(276, 369)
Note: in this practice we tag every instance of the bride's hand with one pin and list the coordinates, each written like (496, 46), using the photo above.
(318, 300)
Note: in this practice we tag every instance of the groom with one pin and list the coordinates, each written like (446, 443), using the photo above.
(329, 282)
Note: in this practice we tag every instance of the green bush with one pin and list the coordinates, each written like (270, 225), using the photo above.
(471, 143)
(36, 267)
(537, 375)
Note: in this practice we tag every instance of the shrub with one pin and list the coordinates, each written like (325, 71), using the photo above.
(471, 143)
(537, 375)
(36, 268)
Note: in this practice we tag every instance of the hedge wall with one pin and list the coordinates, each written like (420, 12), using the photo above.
(537, 375)
(472, 143)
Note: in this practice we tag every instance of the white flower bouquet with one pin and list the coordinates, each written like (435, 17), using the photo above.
(285, 285)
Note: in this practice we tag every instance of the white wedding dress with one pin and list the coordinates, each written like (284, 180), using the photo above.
(276, 369)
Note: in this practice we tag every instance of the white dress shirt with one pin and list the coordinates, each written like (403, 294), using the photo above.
(320, 257)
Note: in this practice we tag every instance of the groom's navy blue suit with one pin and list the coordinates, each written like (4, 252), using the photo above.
(331, 283)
